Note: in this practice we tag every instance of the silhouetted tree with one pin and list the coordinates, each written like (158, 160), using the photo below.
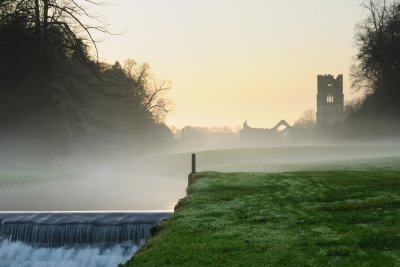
(46, 70)
(353, 105)
(53, 88)
(146, 92)
(127, 119)
(377, 69)
(307, 119)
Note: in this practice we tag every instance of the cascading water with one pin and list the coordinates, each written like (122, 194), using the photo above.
(73, 238)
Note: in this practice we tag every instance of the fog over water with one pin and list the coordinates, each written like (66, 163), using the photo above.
(158, 182)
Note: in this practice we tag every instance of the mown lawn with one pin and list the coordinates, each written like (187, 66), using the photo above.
(318, 218)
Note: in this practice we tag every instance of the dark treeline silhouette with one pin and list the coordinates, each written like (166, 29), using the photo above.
(377, 71)
(53, 91)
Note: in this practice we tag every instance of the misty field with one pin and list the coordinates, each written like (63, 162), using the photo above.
(308, 218)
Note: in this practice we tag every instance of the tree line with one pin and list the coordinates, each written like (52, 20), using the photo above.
(376, 72)
(53, 88)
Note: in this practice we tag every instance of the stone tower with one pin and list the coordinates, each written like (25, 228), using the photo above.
(330, 101)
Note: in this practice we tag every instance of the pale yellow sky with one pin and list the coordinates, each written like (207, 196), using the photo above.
(236, 60)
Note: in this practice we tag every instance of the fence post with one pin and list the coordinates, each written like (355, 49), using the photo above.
(191, 175)
(193, 163)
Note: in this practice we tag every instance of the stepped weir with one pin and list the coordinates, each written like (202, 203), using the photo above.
(73, 238)
(69, 228)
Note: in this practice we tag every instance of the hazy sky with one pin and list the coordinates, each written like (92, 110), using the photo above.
(236, 60)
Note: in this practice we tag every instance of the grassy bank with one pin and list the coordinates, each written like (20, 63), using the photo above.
(318, 218)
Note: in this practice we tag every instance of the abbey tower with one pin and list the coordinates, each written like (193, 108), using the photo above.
(330, 101)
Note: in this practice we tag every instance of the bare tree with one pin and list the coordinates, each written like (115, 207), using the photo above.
(48, 65)
(377, 67)
(71, 17)
(377, 39)
(145, 90)
(307, 119)
(353, 105)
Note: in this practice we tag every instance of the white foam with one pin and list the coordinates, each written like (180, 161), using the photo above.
(18, 254)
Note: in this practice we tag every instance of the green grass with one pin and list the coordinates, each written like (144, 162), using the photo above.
(314, 218)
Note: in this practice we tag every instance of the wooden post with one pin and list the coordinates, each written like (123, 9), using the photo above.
(191, 175)
(193, 163)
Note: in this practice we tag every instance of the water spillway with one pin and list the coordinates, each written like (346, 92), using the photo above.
(87, 234)
(65, 228)
(73, 238)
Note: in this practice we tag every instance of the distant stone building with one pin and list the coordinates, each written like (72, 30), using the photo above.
(330, 101)
(264, 136)
(330, 115)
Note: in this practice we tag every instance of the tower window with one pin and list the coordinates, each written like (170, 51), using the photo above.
(329, 98)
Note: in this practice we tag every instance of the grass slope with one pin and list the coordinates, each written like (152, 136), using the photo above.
(318, 218)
